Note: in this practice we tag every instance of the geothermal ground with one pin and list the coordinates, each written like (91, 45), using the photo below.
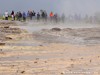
(32, 48)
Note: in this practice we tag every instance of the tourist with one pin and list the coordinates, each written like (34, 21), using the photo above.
(33, 14)
(24, 16)
(38, 16)
(6, 15)
(20, 16)
(51, 16)
(13, 15)
(30, 15)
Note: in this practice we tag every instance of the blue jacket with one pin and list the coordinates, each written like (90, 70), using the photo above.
(24, 14)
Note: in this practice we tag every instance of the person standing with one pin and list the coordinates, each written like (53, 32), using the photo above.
(45, 16)
(6, 15)
(33, 14)
(24, 16)
(38, 16)
(19, 16)
(51, 16)
(55, 17)
(13, 15)
(30, 14)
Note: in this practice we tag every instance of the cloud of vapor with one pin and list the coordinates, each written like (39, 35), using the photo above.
(80, 6)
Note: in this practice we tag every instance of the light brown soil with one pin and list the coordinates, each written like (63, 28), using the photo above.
(49, 52)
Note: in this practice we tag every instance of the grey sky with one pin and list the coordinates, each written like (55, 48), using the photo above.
(67, 6)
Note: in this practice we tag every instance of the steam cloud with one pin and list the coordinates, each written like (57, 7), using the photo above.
(80, 6)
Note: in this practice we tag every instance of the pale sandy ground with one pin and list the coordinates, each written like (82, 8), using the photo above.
(34, 54)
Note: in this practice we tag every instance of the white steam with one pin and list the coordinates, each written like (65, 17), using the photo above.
(79, 6)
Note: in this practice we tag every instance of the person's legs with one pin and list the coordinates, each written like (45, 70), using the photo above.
(24, 18)
(12, 18)
(6, 18)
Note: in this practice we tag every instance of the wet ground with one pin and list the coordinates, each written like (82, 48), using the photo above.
(41, 33)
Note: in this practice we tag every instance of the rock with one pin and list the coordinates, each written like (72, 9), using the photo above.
(35, 62)
(56, 29)
(81, 58)
(72, 59)
(90, 61)
(6, 27)
(2, 44)
(62, 73)
(22, 71)
(45, 61)
(40, 45)
(8, 38)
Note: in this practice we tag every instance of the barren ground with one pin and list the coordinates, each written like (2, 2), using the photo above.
(34, 49)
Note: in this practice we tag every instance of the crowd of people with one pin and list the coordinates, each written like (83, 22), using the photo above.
(42, 15)
(31, 15)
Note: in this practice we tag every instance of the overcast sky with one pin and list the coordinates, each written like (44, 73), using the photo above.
(67, 6)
